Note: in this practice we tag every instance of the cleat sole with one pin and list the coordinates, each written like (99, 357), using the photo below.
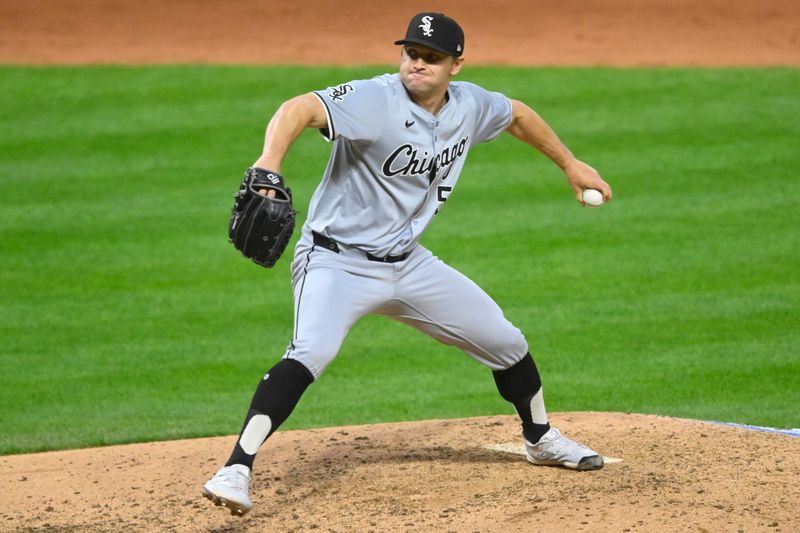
(593, 462)
(233, 507)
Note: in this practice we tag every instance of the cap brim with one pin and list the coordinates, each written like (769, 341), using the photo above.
(428, 44)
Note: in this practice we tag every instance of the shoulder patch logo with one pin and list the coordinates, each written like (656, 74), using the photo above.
(426, 26)
(337, 93)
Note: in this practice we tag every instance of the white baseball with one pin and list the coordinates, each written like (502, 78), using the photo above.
(593, 197)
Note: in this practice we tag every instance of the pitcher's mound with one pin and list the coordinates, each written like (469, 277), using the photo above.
(441, 475)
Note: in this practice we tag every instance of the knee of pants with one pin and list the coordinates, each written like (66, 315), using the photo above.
(505, 349)
(315, 354)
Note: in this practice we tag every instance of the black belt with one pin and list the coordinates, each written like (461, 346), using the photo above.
(330, 244)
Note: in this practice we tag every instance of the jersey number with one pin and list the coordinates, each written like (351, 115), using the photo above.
(442, 193)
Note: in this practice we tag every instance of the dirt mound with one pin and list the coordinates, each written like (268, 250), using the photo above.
(546, 32)
(676, 475)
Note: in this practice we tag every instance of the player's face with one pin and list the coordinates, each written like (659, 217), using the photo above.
(424, 70)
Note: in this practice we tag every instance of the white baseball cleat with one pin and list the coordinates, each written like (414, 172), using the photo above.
(229, 487)
(556, 450)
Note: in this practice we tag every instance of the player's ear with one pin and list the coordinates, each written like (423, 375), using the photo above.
(456, 67)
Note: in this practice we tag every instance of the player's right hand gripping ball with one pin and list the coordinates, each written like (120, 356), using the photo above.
(260, 226)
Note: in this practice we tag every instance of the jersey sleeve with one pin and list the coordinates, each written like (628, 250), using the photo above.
(493, 112)
(355, 110)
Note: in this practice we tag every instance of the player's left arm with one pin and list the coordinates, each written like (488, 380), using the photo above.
(527, 126)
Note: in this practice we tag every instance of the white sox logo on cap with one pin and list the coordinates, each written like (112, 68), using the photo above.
(447, 37)
(426, 26)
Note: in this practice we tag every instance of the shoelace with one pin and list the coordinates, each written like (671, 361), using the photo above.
(566, 445)
(235, 478)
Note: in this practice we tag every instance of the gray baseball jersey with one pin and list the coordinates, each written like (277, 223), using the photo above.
(392, 167)
(393, 163)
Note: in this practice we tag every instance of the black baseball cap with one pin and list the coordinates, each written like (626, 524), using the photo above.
(437, 31)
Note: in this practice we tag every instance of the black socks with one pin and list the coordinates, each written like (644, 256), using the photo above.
(522, 386)
(278, 393)
(276, 396)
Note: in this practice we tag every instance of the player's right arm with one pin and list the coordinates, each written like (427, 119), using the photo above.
(527, 126)
(286, 125)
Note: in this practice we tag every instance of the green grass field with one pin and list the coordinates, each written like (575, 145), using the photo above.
(126, 316)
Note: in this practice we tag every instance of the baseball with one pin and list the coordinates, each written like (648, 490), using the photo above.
(593, 197)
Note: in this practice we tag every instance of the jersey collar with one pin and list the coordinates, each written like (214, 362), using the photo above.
(421, 111)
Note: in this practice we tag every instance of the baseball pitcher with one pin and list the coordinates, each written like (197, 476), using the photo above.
(398, 145)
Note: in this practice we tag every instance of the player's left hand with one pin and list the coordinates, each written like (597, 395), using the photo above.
(582, 176)
(262, 218)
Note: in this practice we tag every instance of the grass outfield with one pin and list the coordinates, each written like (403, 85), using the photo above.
(126, 316)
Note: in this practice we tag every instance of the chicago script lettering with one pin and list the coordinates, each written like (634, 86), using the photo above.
(405, 159)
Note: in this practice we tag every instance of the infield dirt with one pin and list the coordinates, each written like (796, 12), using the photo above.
(676, 475)
(512, 32)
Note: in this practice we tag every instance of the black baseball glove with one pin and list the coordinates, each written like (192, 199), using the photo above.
(260, 226)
